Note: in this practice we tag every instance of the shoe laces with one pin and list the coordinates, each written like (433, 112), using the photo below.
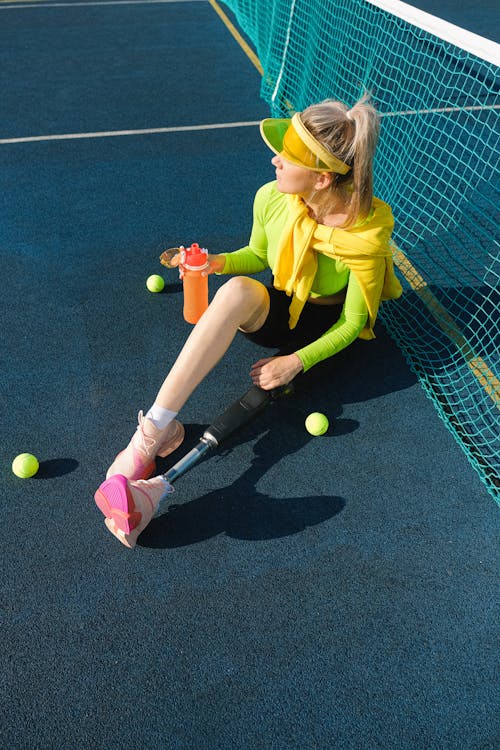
(146, 442)
(145, 488)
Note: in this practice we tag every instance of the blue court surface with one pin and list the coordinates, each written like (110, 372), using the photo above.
(298, 592)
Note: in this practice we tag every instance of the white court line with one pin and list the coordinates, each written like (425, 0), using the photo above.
(214, 126)
(19, 6)
(117, 133)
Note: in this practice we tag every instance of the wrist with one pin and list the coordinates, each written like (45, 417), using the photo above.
(218, 263)
(297, 363)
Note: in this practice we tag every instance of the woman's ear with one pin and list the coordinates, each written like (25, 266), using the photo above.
(323, 180)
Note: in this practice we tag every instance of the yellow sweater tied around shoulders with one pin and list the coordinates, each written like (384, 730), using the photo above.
(364, 249)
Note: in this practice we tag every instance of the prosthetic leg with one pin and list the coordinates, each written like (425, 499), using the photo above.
(235, 416)
(129, 505)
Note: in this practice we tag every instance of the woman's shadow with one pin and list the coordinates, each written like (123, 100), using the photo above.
(240, 510)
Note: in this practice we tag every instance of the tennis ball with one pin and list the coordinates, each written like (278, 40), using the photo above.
(25, 465)
(317, 423)
(155, 283)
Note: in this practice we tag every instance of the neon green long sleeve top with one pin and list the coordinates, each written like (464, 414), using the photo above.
(270, 213)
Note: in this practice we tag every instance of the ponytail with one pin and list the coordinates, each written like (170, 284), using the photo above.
(351, 135)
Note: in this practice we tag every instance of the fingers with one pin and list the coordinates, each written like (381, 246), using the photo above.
(209, 269)
(172, 259)
(212, 266)
(273, 372)
(267, 373)
(258, 365)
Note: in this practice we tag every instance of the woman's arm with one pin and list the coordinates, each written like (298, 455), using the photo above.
(346, 330)
(272, 372)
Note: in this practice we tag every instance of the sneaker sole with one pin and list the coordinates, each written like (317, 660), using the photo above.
(115, 501)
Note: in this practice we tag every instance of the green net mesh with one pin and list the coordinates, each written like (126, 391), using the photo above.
(437, 166)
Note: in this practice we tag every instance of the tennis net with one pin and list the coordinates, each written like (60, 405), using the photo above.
(437, 89)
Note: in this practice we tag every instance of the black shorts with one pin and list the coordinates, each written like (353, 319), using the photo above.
(314, 321)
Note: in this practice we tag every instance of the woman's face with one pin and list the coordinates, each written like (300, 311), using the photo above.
(293, 179)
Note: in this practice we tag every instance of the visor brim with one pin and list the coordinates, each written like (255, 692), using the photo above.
(273, 131)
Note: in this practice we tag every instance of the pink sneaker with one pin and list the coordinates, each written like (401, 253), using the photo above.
(137, 461)
(130, 505)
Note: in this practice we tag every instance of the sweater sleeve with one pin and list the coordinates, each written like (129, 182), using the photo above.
(342, 333)
(253, 257)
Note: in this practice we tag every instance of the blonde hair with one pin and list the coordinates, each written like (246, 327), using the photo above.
(351, 135)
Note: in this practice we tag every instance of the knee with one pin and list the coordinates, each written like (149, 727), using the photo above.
(243, 295)
(238, 291)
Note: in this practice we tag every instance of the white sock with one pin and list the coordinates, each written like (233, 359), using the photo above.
(160, 417)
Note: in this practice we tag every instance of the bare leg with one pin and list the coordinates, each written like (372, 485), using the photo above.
(128, 504)
(241, 303)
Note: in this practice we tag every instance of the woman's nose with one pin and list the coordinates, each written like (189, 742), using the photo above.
(276, 161)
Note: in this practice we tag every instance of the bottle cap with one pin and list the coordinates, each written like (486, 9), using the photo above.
(195, 257)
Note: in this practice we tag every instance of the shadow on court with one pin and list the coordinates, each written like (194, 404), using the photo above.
(297, 592)
(240, 510)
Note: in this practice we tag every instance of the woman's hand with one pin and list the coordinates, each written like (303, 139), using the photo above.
(216, 263)
(172, 259)
(272, 372)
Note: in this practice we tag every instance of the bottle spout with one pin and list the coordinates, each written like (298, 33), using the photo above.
(196, 257)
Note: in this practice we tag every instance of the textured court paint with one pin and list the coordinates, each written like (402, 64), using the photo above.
(237, 36)
(351, 605)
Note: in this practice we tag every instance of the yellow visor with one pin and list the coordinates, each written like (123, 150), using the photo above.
(291, 140)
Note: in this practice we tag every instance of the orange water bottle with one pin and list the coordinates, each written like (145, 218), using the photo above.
(194, 260)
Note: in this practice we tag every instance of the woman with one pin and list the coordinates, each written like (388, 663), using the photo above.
(326, 239)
